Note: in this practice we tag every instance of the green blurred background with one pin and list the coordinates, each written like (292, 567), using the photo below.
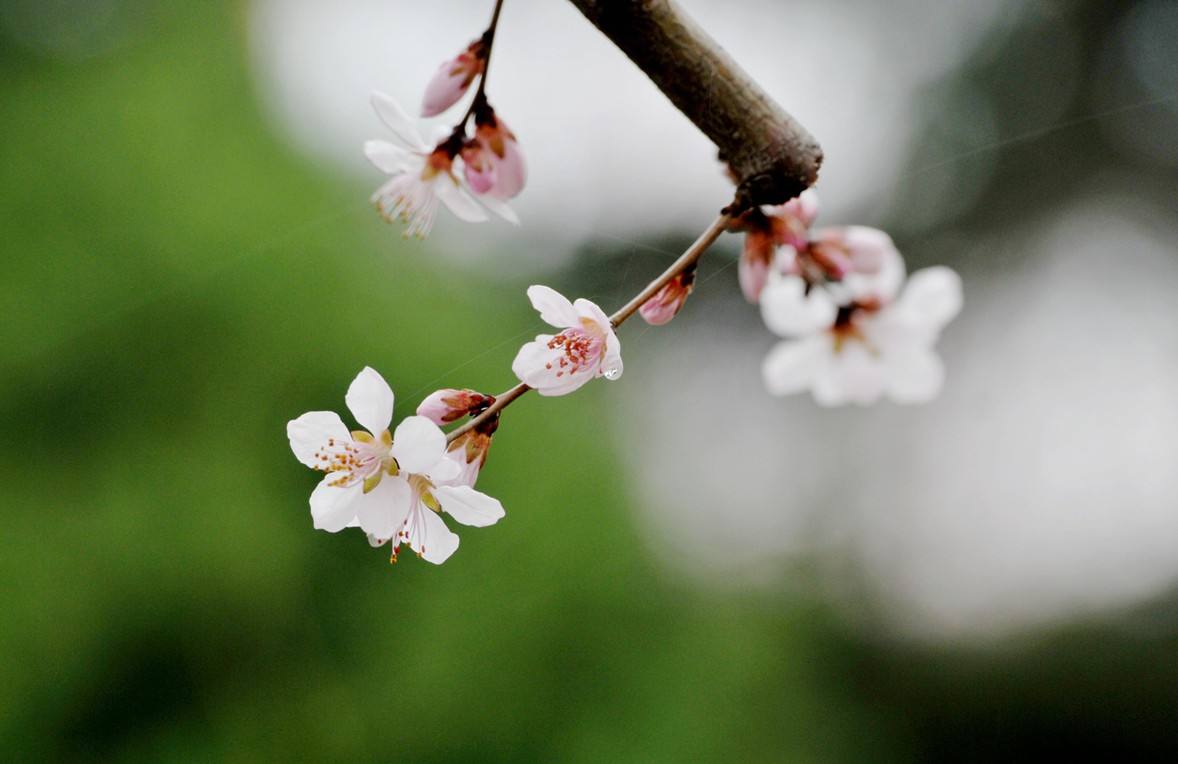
(178, 284)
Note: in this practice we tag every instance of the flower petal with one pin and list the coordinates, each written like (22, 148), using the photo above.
(446, 470)
(511, 172)
(932, 296)
(611, 362)
(500, 208)
(590, 310)
(395, 118)
(370, 399)
(755, 260)
(334, 506)
(418, 444)
(789, 311)
(389, 158)
(878, 266)
(554, 308)
(311, 432)
(459, 202)
(427, 534)
(382, 510)
(468, 506)
(913, 375)
(793, 365)
(854, 375)
(446, 87)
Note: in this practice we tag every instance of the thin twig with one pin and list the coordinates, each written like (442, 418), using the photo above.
(480, 93)
(687, 260)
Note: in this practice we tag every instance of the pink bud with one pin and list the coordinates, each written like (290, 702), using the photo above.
(511, 172)
(469, 451)
(666, 302)
(755, 261)
(449, 405)
(478, 167)
(452, 79)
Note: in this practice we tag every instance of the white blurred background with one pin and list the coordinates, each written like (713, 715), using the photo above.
(1028, 145)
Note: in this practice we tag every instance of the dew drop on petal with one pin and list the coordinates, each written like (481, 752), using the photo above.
(612, 374)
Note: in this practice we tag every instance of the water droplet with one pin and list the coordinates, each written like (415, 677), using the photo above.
(612, 374)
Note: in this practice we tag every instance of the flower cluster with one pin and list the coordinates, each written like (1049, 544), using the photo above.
(392, 486)
(855, 328)
(469, 171)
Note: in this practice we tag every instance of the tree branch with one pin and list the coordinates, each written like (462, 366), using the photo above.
(773, 156)
(687, 260)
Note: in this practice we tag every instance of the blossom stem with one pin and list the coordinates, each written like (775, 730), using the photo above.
(480, 93)
(685, 261)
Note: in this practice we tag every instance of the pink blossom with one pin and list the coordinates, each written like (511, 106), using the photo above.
(420, 177)
(390, 485)
(668, 301)
(452, 79)
(585, 349)
(864, 350)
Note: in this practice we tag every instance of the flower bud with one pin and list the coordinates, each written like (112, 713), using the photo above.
(449, 405)
(504, 153)
(469, 451)
(666, 302)
(452, 79)
(478, 167)
(756, 258)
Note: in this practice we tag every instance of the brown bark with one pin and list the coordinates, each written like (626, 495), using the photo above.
(772, 155)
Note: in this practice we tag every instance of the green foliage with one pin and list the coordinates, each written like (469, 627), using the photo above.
(178, 286)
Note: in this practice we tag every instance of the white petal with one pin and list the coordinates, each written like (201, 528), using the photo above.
(789, 311)
(554, 307)
(418, 444)
(429, 536)
(854, 375)
(391, 113)
(333, 507)
(932, 296)
(458, 201)
(500, 208)
(382, 510)
(793, 365)
(468, 506)
(445, 470)
(311, 431)
(590, 310)
(387, 157)
(883, 285)
(914, 375)
(611, 361)
(370, 399)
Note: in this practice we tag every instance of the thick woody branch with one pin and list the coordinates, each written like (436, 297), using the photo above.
(773, 156)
